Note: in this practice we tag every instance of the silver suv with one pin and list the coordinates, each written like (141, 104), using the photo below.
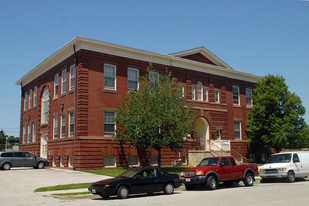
(10, 159)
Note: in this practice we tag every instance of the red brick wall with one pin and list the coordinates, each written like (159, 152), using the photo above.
(91, 101)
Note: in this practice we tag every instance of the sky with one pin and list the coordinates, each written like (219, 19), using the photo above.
(254, 36)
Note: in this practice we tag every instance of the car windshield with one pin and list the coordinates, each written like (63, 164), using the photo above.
(209, 162)
(128, 173)
(280, 158)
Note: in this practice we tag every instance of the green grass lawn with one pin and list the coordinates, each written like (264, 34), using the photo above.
(63, 187)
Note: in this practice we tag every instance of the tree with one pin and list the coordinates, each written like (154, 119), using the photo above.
(2, 140)
(154, 115)
(276, 119)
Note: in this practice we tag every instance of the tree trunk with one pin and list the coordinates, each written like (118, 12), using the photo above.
(159, 158)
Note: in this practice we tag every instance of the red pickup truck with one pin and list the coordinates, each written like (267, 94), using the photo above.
(213, 170)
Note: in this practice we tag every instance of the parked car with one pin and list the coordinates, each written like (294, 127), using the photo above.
(137, 180)
(213, 170)
(289, 165)
(10, 159)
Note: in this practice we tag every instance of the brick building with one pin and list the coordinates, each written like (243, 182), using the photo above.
(68, 103)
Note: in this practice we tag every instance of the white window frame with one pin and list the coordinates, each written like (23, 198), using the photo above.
(219, 133)
(35, 96)
(56, 85)
(72, 77)
(45, 106)
(154, 158)
(54, 163)
(206, 94)
(247, 94)
(64, 81)
(199, 87)
(183, 90)
(71, 123)
(236, 95)
(106, 67)
(193, 92)
(26, 101)
(236, 122)
(217, 96)
(34, 132)
(30, 99)
(55, 127)
(107, 122)
(133, 80)
(62, 125)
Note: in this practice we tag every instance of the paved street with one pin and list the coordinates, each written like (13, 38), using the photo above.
(17, 185)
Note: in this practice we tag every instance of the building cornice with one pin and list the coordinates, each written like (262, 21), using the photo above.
(174, 60)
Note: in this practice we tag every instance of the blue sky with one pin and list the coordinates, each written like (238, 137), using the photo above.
(253, 36)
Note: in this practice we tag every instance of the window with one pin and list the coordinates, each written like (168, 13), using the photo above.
(232, 161)
(109, 124)
(71, 124)
(224, 162)
(217, 96)
(237, 130)
(29, 133)
(206, 95)
(199, 91)
(56, 85)
(35, 94)
(72, 77)
(183, 90)
(26, 101)
(236, 95)
(219, 134)
(24, 134)
(153, 160)
(64, 82)
(62, 126)
(109, 77)
(45, 106)
(193, 93)
(33, 131)
(132, 79)
(54, 162)
(70, 163)
(133, 161)
(110, 161)
(30, 98)
(61, 161)
(249, 97)
(55, 130)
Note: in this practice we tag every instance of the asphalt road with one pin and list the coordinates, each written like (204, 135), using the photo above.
(17, 186)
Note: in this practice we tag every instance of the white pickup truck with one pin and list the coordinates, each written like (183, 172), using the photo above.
(288, 165)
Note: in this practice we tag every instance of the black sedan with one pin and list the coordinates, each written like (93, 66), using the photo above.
(137, 180)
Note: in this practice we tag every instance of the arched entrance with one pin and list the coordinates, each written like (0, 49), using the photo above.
(202, 133)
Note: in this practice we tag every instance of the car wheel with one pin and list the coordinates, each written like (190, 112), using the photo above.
(105, 196)
(189, 187)
(41, 165)
(6, 166)
(249, 179)
(168, 188)
(211, 183)
(291, 176)
(123, 192)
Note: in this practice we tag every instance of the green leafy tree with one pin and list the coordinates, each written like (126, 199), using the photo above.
(2, 140)
(155, 115)
(276, 119)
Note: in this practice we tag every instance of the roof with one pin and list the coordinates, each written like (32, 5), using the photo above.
(220, 68)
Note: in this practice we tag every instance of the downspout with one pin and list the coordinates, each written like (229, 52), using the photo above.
(75, 107)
